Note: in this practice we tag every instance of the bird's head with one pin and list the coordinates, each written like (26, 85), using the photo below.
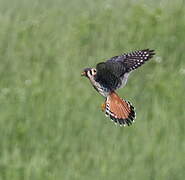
(89, 72)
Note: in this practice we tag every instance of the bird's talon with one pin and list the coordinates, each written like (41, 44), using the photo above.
(103, 106)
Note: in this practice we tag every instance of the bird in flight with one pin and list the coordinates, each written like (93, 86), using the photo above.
(111, 75)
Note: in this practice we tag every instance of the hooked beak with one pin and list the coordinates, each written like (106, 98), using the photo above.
(83, 74)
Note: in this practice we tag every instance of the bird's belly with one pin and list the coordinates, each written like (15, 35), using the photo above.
(100, 89)
(103, 91)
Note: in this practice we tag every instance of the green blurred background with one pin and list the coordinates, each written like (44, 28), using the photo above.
(51, 124)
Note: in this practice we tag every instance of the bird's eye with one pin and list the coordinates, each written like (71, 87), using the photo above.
(93, 71)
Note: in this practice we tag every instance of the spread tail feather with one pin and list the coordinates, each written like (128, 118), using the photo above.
(119, 110)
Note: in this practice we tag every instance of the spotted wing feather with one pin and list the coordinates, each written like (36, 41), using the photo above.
(134, 59)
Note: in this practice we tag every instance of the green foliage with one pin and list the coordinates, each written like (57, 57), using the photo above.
(51, 125)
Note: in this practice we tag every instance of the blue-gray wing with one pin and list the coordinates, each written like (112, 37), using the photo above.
(109, 74)
(113, 73)
(134, 59)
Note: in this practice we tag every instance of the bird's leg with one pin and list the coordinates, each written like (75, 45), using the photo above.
(103, 106)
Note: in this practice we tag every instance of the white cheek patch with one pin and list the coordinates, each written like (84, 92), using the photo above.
(89, 74)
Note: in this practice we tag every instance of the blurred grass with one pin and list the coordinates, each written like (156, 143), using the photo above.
(51, 126)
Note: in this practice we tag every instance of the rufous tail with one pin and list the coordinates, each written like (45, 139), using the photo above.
(119, 110)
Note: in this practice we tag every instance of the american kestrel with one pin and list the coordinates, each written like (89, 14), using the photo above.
(112, 74)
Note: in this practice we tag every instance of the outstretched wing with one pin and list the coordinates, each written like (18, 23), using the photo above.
(134, 59)
(111, 74)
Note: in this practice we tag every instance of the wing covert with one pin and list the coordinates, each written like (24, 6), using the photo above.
(109, 73)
